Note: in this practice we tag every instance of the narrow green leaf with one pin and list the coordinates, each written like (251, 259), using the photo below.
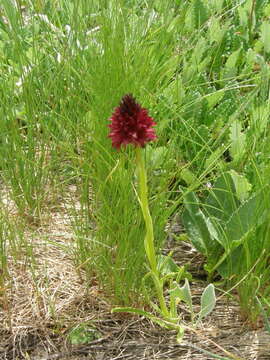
(140, 313)
(265, 316)
(180, 335)
(190, 178)
(212, 160)
(265, 35)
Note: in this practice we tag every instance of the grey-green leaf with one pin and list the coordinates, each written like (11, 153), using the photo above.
(208, 301)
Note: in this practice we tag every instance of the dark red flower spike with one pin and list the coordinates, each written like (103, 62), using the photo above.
(130, 124)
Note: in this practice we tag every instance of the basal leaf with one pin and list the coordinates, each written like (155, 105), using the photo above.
(202, 231)
(248, 216)
(182, 293)
(222, 200)
(208, 301)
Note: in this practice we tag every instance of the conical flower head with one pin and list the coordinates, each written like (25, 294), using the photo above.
(131, 124)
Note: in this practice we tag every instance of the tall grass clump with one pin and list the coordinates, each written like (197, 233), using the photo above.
(123, 56)
(26, 146)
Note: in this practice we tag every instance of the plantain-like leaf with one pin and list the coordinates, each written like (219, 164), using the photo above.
(202, 232)
(249, 215)
(208, 301)
(222, 200)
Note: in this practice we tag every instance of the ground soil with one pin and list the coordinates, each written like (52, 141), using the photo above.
(46, 298)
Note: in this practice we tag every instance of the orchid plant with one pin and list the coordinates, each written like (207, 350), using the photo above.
(131, 124)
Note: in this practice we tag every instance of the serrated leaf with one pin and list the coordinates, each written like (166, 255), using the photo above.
(208, 301)
(230, 69)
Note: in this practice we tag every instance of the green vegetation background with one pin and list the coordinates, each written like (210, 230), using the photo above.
(202, 70)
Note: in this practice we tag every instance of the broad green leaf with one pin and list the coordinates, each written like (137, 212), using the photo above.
(230, 69)
(260, 118)
(83, 334)
(242, 186)
(189, 71)
(232, 59)
(222, 200)
(215, 32)
(229, 264)
(200, 13)
(199, 51)
(243, 16)
(248, 216)
(182, 294)
(214, 98)
(201, 229)
(240, 226)
(238, 141)
(208, 301)
(194, 223)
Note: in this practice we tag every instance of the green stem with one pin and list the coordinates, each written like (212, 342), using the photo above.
(149, 238)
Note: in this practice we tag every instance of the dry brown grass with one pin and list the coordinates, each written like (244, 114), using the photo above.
(44, 298)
